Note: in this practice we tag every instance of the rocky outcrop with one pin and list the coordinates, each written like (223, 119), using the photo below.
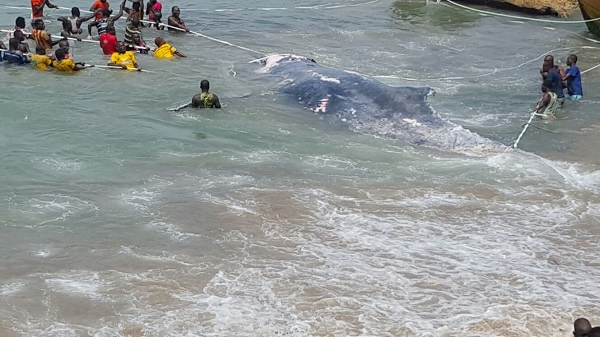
(541, 7)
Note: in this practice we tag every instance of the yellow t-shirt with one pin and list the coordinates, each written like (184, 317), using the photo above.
(41, 61)
(166, 51)
(128, 59)
(64, 65)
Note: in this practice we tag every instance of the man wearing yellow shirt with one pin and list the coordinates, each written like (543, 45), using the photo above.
(124, 59)
(66, 65)
(40, 59)
(165, 50)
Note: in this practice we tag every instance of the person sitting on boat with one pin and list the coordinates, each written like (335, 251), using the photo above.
(573, 78)
(205, 99)
(175, 21)
(546, 108)
(554, 73)
(76, 20)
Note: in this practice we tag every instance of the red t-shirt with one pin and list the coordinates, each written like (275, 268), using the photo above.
(36, 14)
(108, 42)
(99, 5)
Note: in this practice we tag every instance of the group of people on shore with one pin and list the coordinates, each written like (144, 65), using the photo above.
(555, 80)
(122, 52)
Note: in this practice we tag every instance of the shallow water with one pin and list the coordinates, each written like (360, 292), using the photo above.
(119, 217)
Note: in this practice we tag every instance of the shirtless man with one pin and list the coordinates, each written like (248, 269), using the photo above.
(205, 99)
(76, 20)
(175, 20)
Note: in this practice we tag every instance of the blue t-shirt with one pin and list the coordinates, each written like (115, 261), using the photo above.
(13, 57)
(557, 85)
(574, 81)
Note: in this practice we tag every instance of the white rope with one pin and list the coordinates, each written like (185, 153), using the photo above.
(523, 131)
(520, 17)
(180, 107)
(480, 75)
(592, 68)
(60, 37)
(319, 7)
(206, 36)
(121, 68)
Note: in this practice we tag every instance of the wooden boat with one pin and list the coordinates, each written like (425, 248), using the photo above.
(591, 10)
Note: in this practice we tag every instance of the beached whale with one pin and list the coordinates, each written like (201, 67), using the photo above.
(370, 106)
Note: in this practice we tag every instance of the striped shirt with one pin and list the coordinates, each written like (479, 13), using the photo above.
(41, 38)
(129, 31)
(102, 25)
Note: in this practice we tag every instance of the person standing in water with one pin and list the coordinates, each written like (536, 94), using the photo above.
(67, 65)
(76, 20)
(205, 99)
(124, 59)
(98, 6)
(555, 74)
(106, 21)
(175, 21)
(547, 106)
(165, 50)
(581, 327)
(14, 55)
(40, 59)
(41, 37)
(37, 8)
(573, 78)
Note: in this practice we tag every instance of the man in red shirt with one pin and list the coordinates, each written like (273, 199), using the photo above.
(37, 8)
(99, 5)
(108, 41)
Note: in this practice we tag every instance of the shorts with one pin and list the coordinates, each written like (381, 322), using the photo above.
(575, 97)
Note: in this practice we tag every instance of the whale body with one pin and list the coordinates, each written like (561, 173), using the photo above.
(370, 106)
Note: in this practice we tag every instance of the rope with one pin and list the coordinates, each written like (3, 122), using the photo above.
(592, 68)
(207, 37)
(523, 131)
(319, 7)
(480, 75)
(520, 17)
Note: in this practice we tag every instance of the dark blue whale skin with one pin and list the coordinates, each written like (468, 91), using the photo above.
(370, 106)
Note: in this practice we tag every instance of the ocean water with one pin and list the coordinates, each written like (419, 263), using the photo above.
(119, 217)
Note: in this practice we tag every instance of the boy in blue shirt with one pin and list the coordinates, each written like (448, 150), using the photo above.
(573, 78)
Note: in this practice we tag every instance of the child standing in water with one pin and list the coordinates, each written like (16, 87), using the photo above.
(546, 108)
(573, 78)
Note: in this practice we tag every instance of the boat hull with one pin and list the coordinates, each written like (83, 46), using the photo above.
(590, 9)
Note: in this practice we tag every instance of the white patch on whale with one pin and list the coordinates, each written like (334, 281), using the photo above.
(327, 79)
(412, 122)
(322, 107)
